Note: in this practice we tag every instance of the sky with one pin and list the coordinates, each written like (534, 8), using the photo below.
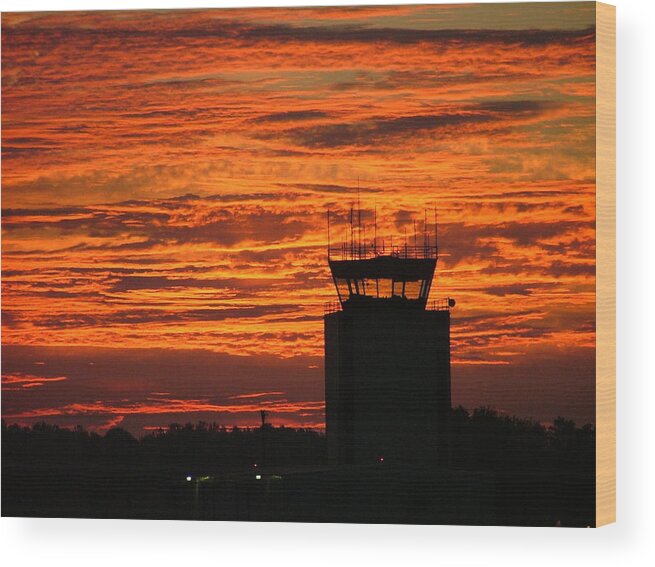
(166, 177)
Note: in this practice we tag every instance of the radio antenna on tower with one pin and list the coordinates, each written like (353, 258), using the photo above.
(359, 223)
(375, 229)
(426, 235)
(328, 232)
(352, 235)
(436, 234)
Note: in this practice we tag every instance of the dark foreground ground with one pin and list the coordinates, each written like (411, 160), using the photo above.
(500, 471)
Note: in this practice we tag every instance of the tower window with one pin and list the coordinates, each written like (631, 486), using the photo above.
(384, 288)
(412, 289)
(342, 288)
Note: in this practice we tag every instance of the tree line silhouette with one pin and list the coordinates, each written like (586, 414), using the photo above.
(526, 473)
(190, 447)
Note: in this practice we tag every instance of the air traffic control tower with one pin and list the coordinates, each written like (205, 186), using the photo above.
(387, 354)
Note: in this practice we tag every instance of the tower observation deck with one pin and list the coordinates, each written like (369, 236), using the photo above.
(387, 352)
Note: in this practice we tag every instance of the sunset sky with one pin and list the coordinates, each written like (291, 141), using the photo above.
(165, 179)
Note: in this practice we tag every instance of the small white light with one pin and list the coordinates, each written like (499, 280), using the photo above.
(258, 477)
(188, 478)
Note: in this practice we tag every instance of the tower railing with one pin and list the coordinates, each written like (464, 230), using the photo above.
(444, 304)
(366, 252)
(331, 307)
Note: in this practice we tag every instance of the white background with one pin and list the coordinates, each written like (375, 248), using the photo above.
(628, 542)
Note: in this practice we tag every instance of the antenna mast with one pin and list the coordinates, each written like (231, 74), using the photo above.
(328, 233)
(436, 234)
(359, 224)
(352, 235)
(405, 230)
(415, 245)
(375, 229)
(426, 235)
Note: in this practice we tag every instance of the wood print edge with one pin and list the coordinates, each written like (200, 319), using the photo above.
(605, 264)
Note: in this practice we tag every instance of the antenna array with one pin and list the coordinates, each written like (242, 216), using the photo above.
(355, 246)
